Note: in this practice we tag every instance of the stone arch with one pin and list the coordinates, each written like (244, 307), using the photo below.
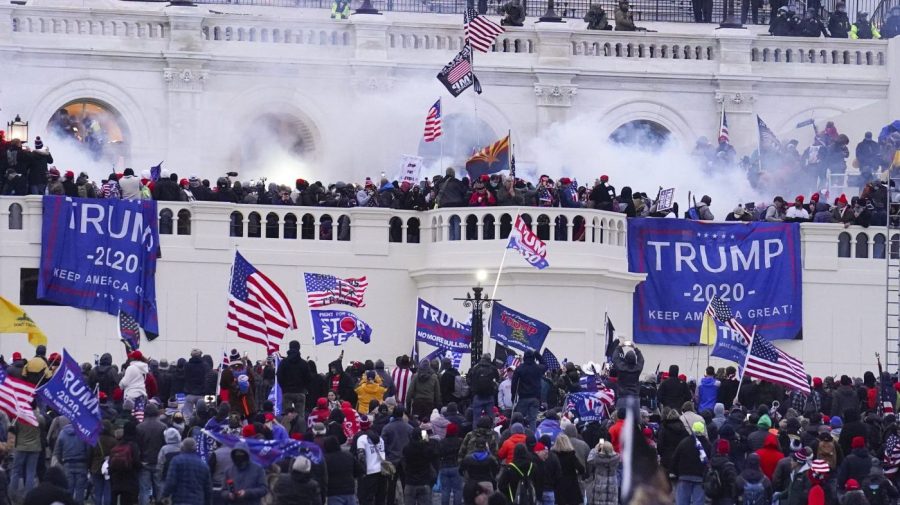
(133, 115)
(95, 126)
(646, 110)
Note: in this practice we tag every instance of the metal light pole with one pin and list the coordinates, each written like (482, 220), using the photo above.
(477, 302)
(550, 16)
(731, 20)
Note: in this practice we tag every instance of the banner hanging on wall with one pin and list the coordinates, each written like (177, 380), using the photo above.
(101, 255)
(753, 267)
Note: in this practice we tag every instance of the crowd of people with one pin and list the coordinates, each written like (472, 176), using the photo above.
(497, 434)
(29, 171)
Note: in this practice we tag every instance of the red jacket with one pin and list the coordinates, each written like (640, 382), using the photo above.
(506, 450)
(482, 200)
(615, 434)
(769, 456)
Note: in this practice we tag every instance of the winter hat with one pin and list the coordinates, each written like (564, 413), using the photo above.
(836, 422)
(819, 466)
(802, 455)
(764, 422)
(723, 447)
(858, 443)
(318, 429)
(38, 143)
(322, 403)
(301, 465)
(269, 416)
(184, 183)
(53, 172)
(16, 356)
(538, 447)
(851, 485)
(234, 356)
(698, 427)
(294, 345)
(248, 431)
(136, 356)
(71, 175)
(842, 199)
(604, 178)
(817, 382)
(364, 423)
(517, 428)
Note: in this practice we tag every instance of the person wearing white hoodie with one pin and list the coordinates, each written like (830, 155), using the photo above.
(504, 394)
(132, 383)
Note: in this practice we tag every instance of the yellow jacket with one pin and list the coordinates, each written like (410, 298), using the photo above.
(854, 32)
(37, 365)
(367, 392)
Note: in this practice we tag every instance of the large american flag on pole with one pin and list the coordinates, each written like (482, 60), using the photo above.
(480, 31)
(258, 310)
(16, 396)
(322, 290)
(723, 131)
(769, 363)
(433, 122)
(767, 139)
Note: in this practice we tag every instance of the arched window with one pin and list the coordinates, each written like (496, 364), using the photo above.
(290, 226)
(412, 230)
(237, 224)
(271, 225)
(878, 246)
(254, 225)
(471, 227)
(562, 228)
(308, 227)
(543, 227)
(395, 230)
(95, 128)
(326, 228)
(453, 227)
(506, 225)
(578, 230)
(165, 221)
(644, 133)
(862, 245)
(344, 228)
(895, 246)
(487, 231)
(15, 216)
(844, 245)
(184, 222)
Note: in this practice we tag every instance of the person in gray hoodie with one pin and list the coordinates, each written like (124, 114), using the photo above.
(173, 446)
(245, 481)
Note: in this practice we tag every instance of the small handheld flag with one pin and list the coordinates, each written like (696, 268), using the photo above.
(129, 331)
(480, 31)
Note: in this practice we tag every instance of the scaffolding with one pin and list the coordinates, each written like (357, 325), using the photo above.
(892, 276)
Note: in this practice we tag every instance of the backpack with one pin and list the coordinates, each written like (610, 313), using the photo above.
(525, 493)
(754, 493)
(460, 387)
(482, 382)
(712, 483)
(168, 460)
(121, 458)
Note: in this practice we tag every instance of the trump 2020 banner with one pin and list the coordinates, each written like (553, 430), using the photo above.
(436, 327)
(753, 267)
(338, 326)
(516, 330)
(70, 396)
(101, 255)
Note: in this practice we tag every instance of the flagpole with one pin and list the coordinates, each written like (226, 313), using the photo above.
(503, 260)
(743, 370)
(758, 145)
(225, 338)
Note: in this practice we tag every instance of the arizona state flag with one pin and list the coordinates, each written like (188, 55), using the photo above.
(14, 320)
(490, 159)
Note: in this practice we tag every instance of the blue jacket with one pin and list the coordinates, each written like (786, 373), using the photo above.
(396, 438)
(70, 448)
(188, 481)
(707, 392)
(251, 479)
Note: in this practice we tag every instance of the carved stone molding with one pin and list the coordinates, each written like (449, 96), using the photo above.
(185, 79)
(735, 101)
(368, 84)
(553, 95)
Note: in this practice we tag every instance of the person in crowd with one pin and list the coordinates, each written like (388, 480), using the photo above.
(567, 489)
(298, 486)
(863, 28)
(245, 481)
(797, 213)
(785, 23)
(419, 462)
(369, 390)
(73, 453)
(53, 489)
(703, 212)
(28, 448)
(424, 393)
(811, 25)
(483, 379)
(838, 22)
(150, 439)
(188, 480)
(526, 388)
(689, 466)
(124, 465)
(624, 18)
(891, 26)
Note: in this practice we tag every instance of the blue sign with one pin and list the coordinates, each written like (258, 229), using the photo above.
(268, 452)
(589, 406)
(436, 327)
(70, 396)
(338, 326)
(753, 267)
(516, 330)
(732, 346)
(101, 255)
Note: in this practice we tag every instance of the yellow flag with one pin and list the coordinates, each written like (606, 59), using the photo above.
(14, 320)
(708, 330)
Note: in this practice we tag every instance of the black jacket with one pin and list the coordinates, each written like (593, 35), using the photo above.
(167, 190)
(526, 380)
(628, 373)
(855, 466)
(686, 460)
(194, 376)
(728, 389)
(449, 451)
(419, 460)
(839, 25)
(671, 433)
(293, 373)
(673, 393)
(727, 475)
(452, 193)
(296, 488)
(343, 470)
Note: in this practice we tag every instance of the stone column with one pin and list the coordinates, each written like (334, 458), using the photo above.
(736, 87)
(184, 81)
(6, 15)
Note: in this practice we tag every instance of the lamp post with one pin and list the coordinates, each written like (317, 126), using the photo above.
(731, 20)
(367, 8)
(477, 301)
(17, 129)
(550, 16)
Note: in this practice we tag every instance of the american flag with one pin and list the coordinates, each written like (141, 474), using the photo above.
(460, 70)
(767, 362)
(322, 290)
(138, 412)
(720, 311)
(723, 131)
(16, 396)
(258, 310)
(513, 361)
(480, 31)
(433, 122)
(548, 359)
(767, 138)
(129, 331)
(225, 360)
(401, 378)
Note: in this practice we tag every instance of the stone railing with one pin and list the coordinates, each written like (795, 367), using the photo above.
(205, 224)
(819, 51)
(261, 31)
(644, 45)
(37, 21)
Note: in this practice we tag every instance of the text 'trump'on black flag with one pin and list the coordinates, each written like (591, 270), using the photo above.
(457, 76)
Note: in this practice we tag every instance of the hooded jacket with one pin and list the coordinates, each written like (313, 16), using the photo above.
(343, 469)
(103, 376)
(296, 488)
(769, 456)
(751, 474)
(194, 376)
(672, 392)
(344, 387)
(424, 388)
(293, 373)
(628, 368)
(707, 393)
(168, 451)
(70, 448)
(132, 382)
(248, 477)
(526, 380)
(366, 392)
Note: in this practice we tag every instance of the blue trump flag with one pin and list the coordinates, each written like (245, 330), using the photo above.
(101, 255)
(516, 330)
(275, 393)
(70, 396)
(754, 267)
(436, 327)
(338, 326)
(268, 452)
(590, 406)
(731, 340)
